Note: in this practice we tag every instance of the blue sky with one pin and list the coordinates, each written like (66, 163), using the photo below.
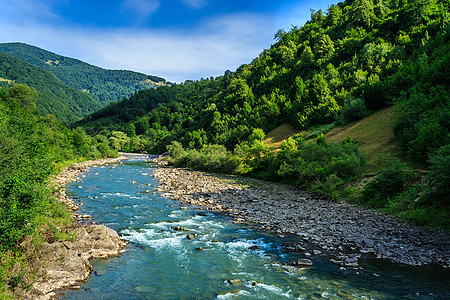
(175, 39)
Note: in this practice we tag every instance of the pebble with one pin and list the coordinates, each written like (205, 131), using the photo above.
(328, 224)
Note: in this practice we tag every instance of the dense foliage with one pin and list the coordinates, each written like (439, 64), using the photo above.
(53, 96)
(32, 148)
(314, 165)
(358, 57)
(103, 85)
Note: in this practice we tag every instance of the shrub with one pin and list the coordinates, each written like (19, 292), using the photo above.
(353, 111)
(177, 155)
(437, 187)
(388, 183)
(425, 124)
(211, 157)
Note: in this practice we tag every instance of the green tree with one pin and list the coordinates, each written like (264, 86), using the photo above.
(23, 96)
(130, 130)
(335, 14)
(118, 139)
(362, 12)
(307, 57)
(325, 48)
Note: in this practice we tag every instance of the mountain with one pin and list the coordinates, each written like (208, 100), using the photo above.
(103, 85)
(360, 56)
(338, 68)
(55, 97)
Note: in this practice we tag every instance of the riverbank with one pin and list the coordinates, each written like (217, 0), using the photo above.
(334, 226)
(60, 265)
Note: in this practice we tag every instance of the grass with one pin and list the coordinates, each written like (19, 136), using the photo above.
(275, 137)
(374, 135)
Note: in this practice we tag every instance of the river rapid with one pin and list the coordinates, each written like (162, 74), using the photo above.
(179, 252)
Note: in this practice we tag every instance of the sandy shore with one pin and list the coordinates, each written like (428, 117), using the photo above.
(333, 226)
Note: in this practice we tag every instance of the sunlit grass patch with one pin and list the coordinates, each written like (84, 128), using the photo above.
(374, 136)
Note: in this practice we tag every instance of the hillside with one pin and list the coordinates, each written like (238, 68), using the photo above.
(54, 97)
(373, 134)
(357, 57)
(103, 85)
(386, 59)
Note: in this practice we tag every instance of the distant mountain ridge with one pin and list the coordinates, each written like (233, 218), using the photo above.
(103, 85)
(55, 97)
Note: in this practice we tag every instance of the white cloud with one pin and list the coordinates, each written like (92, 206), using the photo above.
(142, 9)
(19, 11)
(217, 45)
(195, 3)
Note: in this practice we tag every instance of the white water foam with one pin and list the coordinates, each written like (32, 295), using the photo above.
(269, 288)
(154, 238)
(232, 295)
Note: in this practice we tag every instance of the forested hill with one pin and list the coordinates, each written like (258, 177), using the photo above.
(357, 57)
(103, 85)
(54, 97)
(339, 67)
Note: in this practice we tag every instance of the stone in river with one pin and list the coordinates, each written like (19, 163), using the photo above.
(75, 287)
(317, 252)
(191, 236)
(180, 228)
(235, 281)
(254, 247)
(304, 262)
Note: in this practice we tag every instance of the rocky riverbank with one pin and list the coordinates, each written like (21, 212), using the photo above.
(60, 265)
(334, 226)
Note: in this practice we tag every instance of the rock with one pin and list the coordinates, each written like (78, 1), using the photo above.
(352, 265)
(235, 281)
(191, 236)
(368, 242)
(317, 252)
(334, 225)
(304, 262)
(180, 228)
(254, 247)
(295, 248)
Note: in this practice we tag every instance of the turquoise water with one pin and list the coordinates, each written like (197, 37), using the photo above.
(160, 262)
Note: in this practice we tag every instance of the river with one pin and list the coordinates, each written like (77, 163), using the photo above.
(187, 253)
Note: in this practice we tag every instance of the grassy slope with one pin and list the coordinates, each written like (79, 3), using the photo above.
(275, 137)
(373, 134)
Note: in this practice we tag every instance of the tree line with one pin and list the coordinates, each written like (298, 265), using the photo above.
(342, 65)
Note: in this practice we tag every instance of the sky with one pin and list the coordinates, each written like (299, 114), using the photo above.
(176, 39)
